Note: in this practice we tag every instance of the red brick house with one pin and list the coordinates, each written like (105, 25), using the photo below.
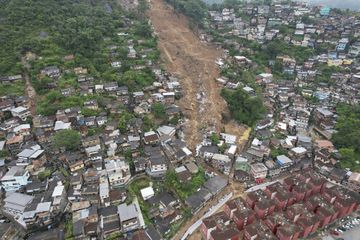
(264, 207)
(218, 220)
(288, 232)
(259, 231)
(294, 212)
(239, 212)
(309, 223)
(225, 233)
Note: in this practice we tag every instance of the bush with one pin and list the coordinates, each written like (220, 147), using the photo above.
(68, 139)
(158, 109)
(244, 108)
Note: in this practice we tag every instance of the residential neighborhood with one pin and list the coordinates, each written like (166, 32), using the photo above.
(249, 130)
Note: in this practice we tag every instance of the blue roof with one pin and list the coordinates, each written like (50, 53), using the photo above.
(325, 11)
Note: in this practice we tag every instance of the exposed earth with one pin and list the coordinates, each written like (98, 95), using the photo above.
(193, 62)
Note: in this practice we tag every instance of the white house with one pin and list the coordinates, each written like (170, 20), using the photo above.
(21, 112)
(118, 172)
(15, 178)
(147, 193)
(104, 193)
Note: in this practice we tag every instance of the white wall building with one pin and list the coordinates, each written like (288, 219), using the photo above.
(118, 172)
(15, 178)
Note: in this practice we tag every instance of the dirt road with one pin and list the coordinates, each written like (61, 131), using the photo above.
(29, 89)
(194, 63)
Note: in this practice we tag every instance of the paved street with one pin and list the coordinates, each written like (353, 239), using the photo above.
(211, 211)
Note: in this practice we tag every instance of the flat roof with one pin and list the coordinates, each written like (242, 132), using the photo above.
(58, 190)
(127, 212)
(18, 199)
(146, 192)
(215, 184)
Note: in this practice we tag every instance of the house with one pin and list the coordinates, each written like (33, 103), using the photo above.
(140, 164)
(51, 71)
(118, 171)
(258, 170)
(198, 199)
(36, 187)
(221, 162)
(23, 129)
(15, 178)
(209, 224)
(283, 161)
(10, 79)
(130, 217)
(90, 121)
(15, 204)
(14, 144)
(60, 125)
(90, 141)
(111, 87)
(324, 118)
(92, 104)
(59, 197)
(215, 184)
(21, 112)
(93, 150)
(354, 181)
(228, 138)
(151, 137)
(156, 166)
(34, 155)
(109, 220)
(138, 96)
(258, 230)
(104, 193)
(147, 193)
(166, 132)
(239, 212)
(101, 120)
(169, 97)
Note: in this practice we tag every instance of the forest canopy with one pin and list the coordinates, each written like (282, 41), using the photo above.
(244, 108)
(347, 137)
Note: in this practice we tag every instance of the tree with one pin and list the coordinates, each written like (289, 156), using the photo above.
(243, 107)
(68, 139)
(349, 159)
(143, 29)
(347, 137)
(158, 109)
(348, 127)
(215, 139)
(123, 121)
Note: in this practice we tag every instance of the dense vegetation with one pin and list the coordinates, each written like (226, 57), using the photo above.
(347, 139)
(68, 139)
(195, 9)
(51, 26)
(184, 189)
(243, 107)
(86, 29)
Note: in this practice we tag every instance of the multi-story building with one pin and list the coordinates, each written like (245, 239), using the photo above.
(239, 212)
(258, 170)
(15, 178)
(130, 217)
(118, 172)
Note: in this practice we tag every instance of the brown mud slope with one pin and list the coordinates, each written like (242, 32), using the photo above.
(193, 62)
(29, 89)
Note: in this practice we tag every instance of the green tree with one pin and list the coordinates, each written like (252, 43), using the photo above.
(243, 107)
(349, 159)
(215, 139)
(158, 109)
(69, 139)
(347, 137)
